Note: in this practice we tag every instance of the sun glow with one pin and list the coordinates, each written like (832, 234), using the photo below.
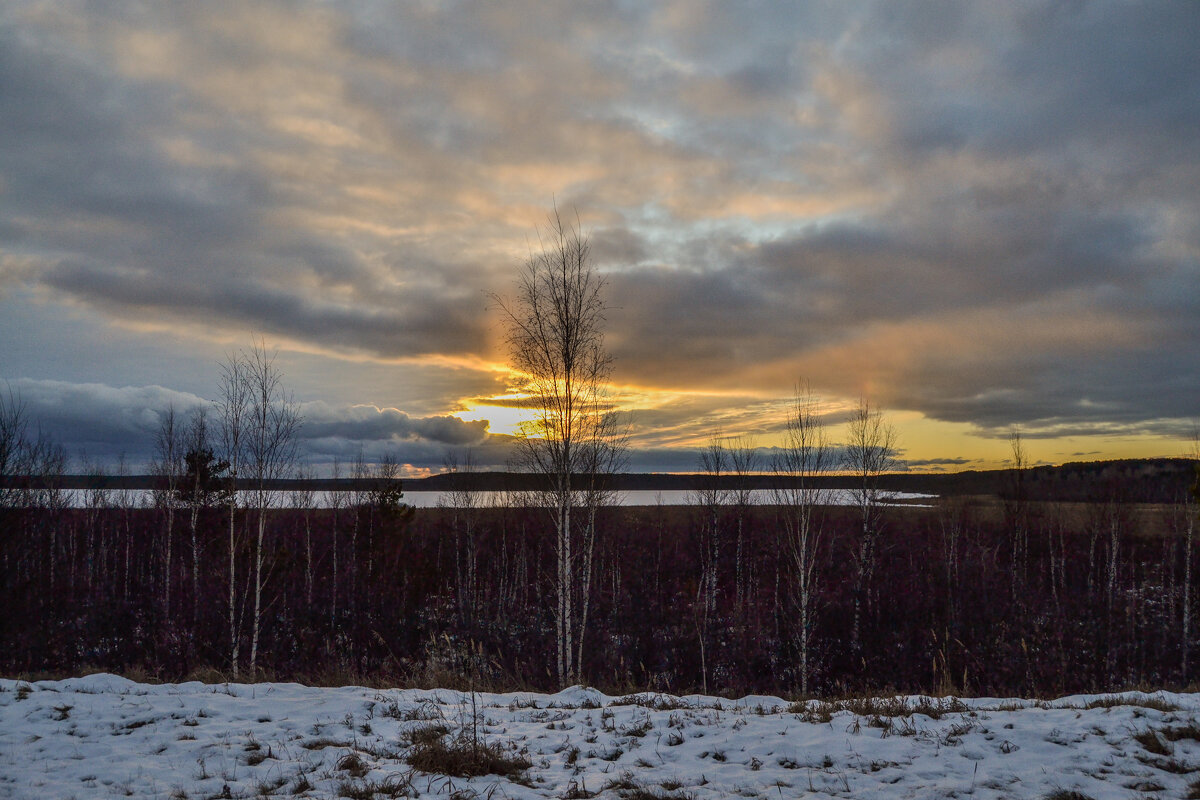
(504, 414)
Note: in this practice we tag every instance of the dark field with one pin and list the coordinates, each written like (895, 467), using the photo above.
(975, 594)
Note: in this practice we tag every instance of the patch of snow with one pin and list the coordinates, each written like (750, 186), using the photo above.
(104, 736)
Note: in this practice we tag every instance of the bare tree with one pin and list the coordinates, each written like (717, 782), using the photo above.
(168, 469)
(233, 406)
(463, 502)
(869, 453)
(274, 421)
(360, 473)
(339, 498)
(556, 342)
(1017, 512)
(1109, 524)
(200, 488)
(14, 433)
(125, 504)
(303, 498)
(953, 521)
(743, 462)
(47, 464)
(1190, 511)
(803, 460)
(604, 456)
(96, 502)
(710, 499)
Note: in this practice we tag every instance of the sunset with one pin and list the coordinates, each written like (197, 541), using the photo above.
(983, 219)
(673, 400)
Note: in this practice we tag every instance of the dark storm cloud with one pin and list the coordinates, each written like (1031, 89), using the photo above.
(386, 331)
(367, 423)
(100, 422)
(985, 213)
(103, 422)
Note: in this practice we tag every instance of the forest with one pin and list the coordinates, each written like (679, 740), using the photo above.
(990, 595)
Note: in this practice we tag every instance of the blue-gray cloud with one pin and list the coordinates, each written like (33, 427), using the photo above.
(102, 423)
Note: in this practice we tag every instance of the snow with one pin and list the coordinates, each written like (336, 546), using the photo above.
(105, 736)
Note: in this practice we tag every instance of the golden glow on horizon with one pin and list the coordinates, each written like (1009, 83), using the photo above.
(690, 418)
(926, 444)
(502, 419)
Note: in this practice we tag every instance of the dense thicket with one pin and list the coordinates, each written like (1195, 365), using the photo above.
(1094, 599)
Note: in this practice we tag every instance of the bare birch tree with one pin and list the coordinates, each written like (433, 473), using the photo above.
(803, 460)
(604, 456)
(274, 421)
(233, 405)
(168, 470)
(869, 454)
(556, 341)
(711, 499)
(744, 463)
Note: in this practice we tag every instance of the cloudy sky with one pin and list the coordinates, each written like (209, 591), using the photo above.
(982, 217)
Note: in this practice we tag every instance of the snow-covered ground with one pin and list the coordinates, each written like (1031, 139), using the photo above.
(104, 736)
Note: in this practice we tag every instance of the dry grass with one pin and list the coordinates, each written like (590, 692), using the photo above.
(424, 735)
(463, 757)
(353, 763)
(821, 711)
(627, 788)
(392, 786)
(1181, 732)
(651, 700)
(1115, 701)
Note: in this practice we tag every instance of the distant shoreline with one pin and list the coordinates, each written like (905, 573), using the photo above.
(1133, 480)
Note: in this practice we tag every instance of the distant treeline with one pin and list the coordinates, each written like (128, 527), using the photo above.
(1157, 480)
(969, 595)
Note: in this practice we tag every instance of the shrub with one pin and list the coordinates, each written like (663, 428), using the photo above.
(353, 763)
(464, 757)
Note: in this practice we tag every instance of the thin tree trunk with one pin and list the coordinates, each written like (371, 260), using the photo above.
(167, 566)
(195, 564)
(333, 605)
(256, 622)
(585, 579)
(566, 640)
(234, 639)
(308, 558)
(804, 605)
(1187, 594)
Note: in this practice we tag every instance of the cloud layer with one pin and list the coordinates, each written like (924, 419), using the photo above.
(103, 423)
(984, 214)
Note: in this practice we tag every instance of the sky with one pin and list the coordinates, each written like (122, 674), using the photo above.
(980, 217)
